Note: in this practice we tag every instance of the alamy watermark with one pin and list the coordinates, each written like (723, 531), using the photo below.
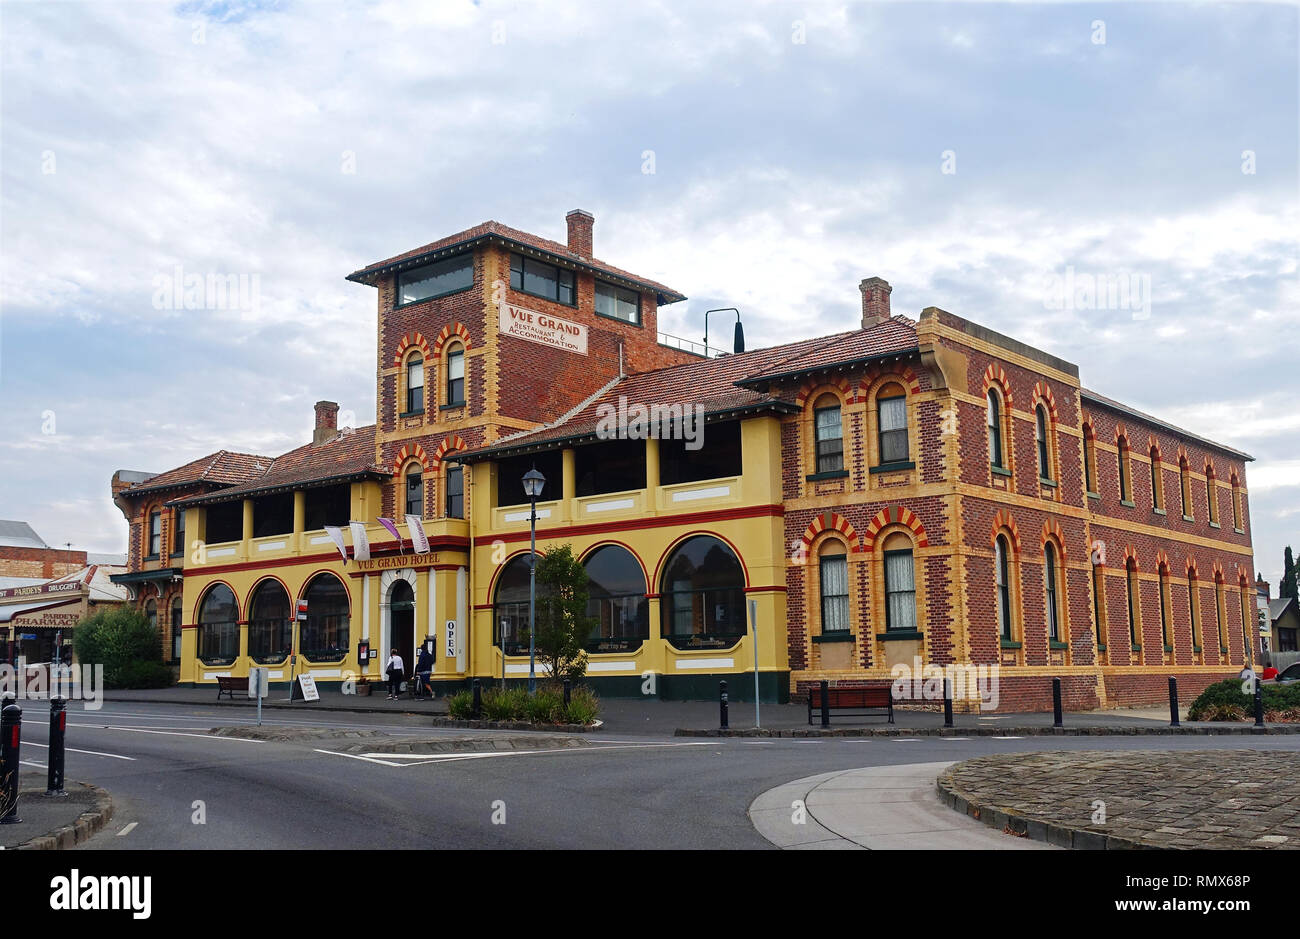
(651, 422)
(1075, 290)
(918, 682)
(43, 682)
(182, 290)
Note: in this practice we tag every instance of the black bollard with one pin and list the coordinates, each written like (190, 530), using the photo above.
(1056, 703)
(1259, 702)
(722, 705)
(11, 724)
(947, 702)
(58, 731)
(568, 691)
(826, 703)
(1173, 702)
(477, 707)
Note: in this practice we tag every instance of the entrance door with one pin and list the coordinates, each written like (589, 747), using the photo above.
(402, 608)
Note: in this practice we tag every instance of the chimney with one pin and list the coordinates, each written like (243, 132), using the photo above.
(327, 422)
(1262, 586)
(875, 301)
(580, 225)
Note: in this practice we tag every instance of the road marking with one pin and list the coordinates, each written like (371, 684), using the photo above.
(954, 738)
(424, 759)
(167, 733)
(30, 763)
(353, 756)
(906, 739)
(116, 756)
(1008, 738)
(128, 829)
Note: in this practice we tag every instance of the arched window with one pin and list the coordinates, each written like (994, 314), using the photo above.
(1236, 503)
(1220, 614)
(1211, 495)
(994, 415)
(1099, 604)
(151, 613)
(456, 375)
(1244, 596)
(510, 606)
(1089, 460)
(270, 633)
(891, 419)
(829, 434)
(1125, 471)
(1194, 611)
(1002, 575)
(1185, 486)
(324, 636)
(177, 617)
(415, 384)
(415, 491)
(617, 600)
(1043, 439)
(833, 585)
(1157, 482)
(218, 626)
(702, 596)
(1053, 610)
(455, 489)
(900, 584)
(1131, 588)
(1166, 636)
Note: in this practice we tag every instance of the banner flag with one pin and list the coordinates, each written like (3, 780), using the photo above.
(336, 535)
(392, 530)
(419, 540)
(360, 543)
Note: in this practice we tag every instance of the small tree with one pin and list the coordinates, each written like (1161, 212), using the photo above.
(1288, 586)
(121, 639)
(562, 621)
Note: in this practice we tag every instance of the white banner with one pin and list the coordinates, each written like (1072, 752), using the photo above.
(360, 543)
(419, 540)
(336, 536)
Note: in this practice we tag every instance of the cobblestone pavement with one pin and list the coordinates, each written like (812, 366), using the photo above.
(1197, 799)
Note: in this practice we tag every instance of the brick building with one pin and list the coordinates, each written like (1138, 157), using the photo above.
(909, 490)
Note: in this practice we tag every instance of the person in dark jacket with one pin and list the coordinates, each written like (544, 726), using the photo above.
(396, 671)
(423, 669)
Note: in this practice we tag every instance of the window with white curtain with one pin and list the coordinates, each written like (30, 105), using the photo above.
(893, 429)
(835, 593)
(900, 591)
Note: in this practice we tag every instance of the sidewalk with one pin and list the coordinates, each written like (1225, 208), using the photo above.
(652, 717)
(54, 822)
(876, 808)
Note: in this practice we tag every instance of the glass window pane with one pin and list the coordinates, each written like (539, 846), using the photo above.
(436, 279)
(893, 414)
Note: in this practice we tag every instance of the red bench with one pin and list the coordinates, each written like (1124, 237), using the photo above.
(228, 686)
(852, 702)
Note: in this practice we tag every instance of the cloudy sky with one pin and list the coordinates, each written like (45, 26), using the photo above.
(766, 156)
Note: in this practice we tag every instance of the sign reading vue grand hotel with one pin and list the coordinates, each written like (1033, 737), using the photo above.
(543, 328)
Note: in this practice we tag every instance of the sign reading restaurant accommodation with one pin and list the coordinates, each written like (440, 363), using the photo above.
(543, 328)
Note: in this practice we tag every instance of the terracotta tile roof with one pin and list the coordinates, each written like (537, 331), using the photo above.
(716, 384)
(349, 454)
(1101, 399)
(224, 468)
(491, 229)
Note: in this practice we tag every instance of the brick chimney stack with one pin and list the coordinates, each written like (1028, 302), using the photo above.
(875, 301)
(580, 224)
(1262, 586)
(327, 422)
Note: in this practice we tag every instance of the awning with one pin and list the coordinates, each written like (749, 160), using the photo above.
(7, 613)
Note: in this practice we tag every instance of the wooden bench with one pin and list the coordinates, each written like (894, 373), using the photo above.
(852, 702)
(228, 686)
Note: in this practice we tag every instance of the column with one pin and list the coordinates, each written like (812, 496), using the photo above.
(246, 548)
(299, 520)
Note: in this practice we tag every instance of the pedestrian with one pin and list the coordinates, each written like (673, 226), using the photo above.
(396, 670)
(423, 669)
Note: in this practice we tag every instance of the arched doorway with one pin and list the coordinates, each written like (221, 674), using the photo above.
(401, 605)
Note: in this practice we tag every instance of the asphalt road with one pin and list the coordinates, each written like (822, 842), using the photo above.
(176, 786)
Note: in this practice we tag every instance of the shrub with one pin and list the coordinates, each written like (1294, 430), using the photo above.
(583, 706)
(121, 639)
(1225, 701)
(461, 705)
(544, 707)
(508, 705)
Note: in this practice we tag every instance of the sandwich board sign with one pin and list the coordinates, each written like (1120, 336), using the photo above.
(307, 684)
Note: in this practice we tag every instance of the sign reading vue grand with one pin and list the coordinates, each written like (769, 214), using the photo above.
(543, 328)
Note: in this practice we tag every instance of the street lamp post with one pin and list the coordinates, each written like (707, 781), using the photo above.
(533, 483)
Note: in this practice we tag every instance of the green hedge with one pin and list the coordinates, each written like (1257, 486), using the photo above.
(121, 639)
(1225, 701)
(516, 704)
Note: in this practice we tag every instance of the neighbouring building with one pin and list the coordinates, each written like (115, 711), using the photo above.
(37, 619)
(908, 490)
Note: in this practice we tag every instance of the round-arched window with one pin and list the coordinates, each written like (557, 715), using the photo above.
(324, 636)
(617, 600)
(270, 629)
(703, 595)
(219, 626)
(510, 606)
